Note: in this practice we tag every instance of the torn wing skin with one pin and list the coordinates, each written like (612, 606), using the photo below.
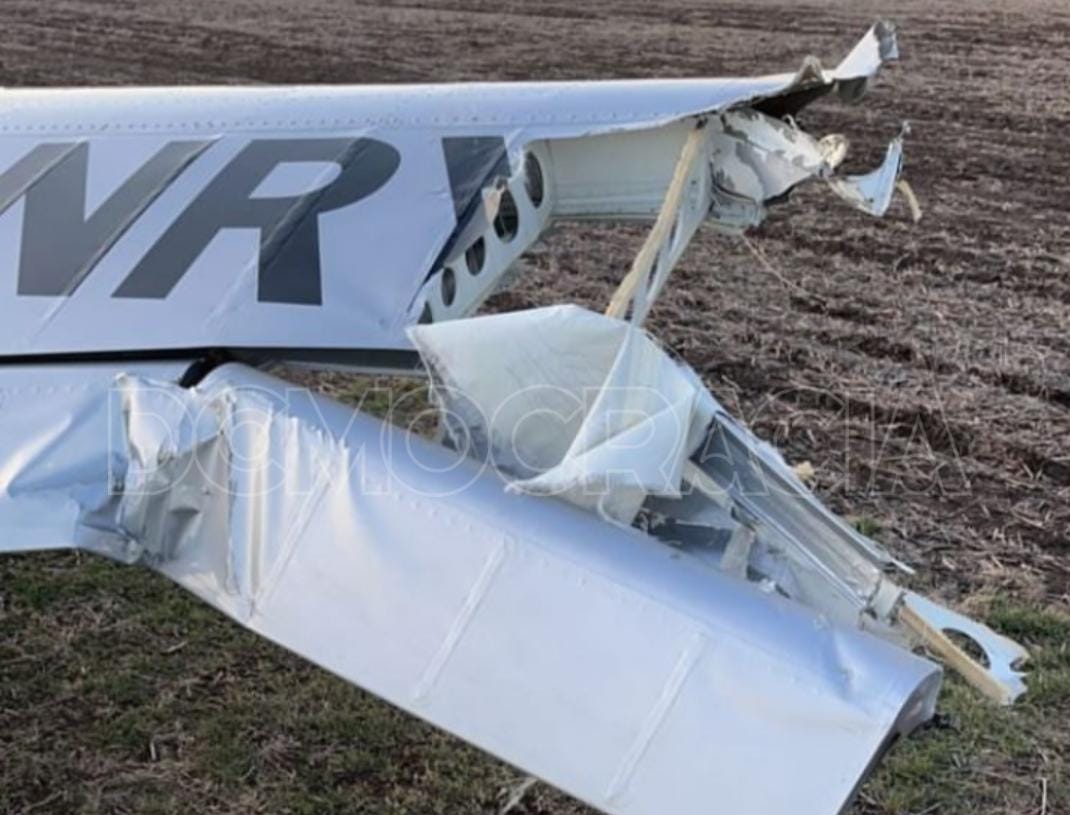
(757, 159)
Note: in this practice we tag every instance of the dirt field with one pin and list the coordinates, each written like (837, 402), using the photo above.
(923, 370)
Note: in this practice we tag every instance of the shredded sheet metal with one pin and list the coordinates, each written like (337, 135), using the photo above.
(592, 656)
(758, 158)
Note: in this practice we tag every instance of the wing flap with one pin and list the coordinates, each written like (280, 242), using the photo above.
(590, 655)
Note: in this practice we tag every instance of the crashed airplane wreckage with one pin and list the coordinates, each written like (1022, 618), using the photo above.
(599, 576)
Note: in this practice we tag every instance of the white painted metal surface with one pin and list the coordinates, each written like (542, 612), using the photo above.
(592, 656)
(299, 222)
(314, 218)
(568, 403)
(59, 443)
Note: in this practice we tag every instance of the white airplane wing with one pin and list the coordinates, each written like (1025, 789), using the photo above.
(146, 235)
(591, 656)
(304, 222)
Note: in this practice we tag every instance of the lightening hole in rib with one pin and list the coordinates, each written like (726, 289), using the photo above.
(425, 315)
(507, 224)
(449, 286)
(968, 644)
(534, 183)
(476, 256)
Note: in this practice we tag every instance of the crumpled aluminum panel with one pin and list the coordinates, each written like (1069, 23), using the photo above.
(60, 444)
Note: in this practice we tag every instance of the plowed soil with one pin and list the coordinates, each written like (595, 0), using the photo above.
(924, 371)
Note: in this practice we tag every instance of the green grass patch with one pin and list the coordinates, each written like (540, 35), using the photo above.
(980, 757)
(870, 527)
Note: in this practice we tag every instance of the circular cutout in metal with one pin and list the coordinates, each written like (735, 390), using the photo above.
(475, 256)
(449, 286)
(507, 223)
(534, 182)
